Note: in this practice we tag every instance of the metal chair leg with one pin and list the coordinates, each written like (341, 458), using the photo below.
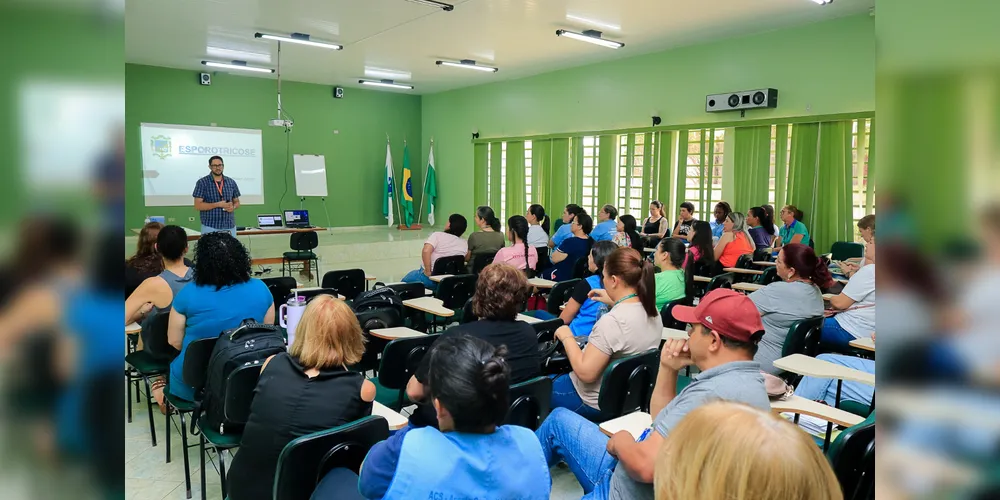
(149, 406)
(167, 427)
(187, 466)
(201, 449)
(128, 394)
(222, 469)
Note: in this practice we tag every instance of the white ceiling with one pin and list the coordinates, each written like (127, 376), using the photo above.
(405, 38)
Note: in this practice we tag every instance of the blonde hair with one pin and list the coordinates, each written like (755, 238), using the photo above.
(730, 450)
(328, 335)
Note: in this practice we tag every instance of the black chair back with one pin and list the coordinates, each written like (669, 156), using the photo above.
(449, 265)
(543, 259)
(628, 384)
(852, 456)
(195, 369)
(480, 261)
(559, 295)
(313, 293)
(400, 360)
(467, 315)
(304, 461)
(770, 276)
(240, 388)
(667, 314)
(545, 330)
(370, 320)
(407, 291)
(530, 402)
(347, 282)
(301, 242)
(580, 269)
(745, 261)
(454, 291)
(803, 337)
(762, 255)
(843, 250)
(280, 287)
(724, 280)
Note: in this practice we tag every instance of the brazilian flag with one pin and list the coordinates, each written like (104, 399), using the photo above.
(407, 205)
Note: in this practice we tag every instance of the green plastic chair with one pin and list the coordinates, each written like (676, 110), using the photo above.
(852, 456)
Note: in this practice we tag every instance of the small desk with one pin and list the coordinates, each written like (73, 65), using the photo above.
(649, 250)
(635, 423)
(747, 287)
(740, 270)
(193, 234)
(764, 263)
(132, 328)
(438, 277)
(863, 343)
(702, 279)
(396, 421)
(671, 334)
(802, 406)
(528, 319)
(541, 283)
(301, 288)
(399, 332)
(813, 367)
(429, 305)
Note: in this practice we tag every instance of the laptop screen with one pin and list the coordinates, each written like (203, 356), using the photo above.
(297, 218)
(268, 220)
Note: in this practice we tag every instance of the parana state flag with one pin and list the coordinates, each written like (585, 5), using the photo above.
(407, 204)
(387, 194)
(430, 187)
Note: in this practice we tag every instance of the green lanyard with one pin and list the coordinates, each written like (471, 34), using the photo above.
(619, 301)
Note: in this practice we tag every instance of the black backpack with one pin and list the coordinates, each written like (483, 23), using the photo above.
(250, 343)
(379, 298)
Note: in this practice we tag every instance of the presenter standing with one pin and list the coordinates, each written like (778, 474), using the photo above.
(217, 197)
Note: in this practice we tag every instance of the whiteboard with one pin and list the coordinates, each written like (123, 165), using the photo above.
(310, 175)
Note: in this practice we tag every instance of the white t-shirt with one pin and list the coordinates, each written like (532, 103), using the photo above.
(537, 236)
(446, 245)
(859, 319)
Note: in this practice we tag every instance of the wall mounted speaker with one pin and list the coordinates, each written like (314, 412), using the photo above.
(746, 99)
(338, 92)
(204, 78)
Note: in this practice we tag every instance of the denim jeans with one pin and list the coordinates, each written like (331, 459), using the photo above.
(339, 484)
(207, 229)
(564, 395)
(418, 276)
(834, 334)
(568, 437)
(825, 389)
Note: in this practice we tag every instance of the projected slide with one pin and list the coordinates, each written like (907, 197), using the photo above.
(174, 157)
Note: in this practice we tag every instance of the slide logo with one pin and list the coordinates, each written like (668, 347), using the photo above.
(161, 146)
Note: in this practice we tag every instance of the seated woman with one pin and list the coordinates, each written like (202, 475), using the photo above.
(866, 228)
(580, 311)
(825, 389)
(538, 226)
(794, 231)
(447, 243)
(722, 447)
(735, 240)
(222, 295)
(720, 214)
(306, 390)
(488, 240)
(655, 227)
(519, 254)
(626, 235)
(700, 250)
(571, 249)
(472, 455)
(146, 263)
(669, 258)
(761, 228)
(852, 314)
(795, 298)
(631, 326)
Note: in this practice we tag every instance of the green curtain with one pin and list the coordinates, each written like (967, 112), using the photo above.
(496, 164)
(681, 169)
(558, 189)
(870, 193)
(780, 165)
(541, 171)
(480, 161)
(751, 166)
(833, 219)
(515, 181)
(801, 185)
(607, 171)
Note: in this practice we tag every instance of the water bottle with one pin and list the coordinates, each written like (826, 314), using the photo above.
(290, 313)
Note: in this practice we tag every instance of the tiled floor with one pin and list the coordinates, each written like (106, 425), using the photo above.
(148, 477)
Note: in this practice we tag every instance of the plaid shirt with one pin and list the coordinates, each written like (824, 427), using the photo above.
(208, 190)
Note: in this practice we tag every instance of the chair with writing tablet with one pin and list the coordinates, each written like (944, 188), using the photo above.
(802, 338)
(628, 385)
(347, 282)
(770, 276)
(453, 292)
(400, 360)
(852, 456)
(559, 295)
(194, 372)
(843, 250)
(449, 265)
(239, 392)
(147, 363)
(480, 261)
(530, 402)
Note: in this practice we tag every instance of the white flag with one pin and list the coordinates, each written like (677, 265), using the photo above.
(388, 197)
(430, 187)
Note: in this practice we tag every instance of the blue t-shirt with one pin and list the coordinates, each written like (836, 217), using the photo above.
(761, 238)
(717, 229)
(208, 312)
(574, 248)
(209, 191)
(604, 231)
(565, 231)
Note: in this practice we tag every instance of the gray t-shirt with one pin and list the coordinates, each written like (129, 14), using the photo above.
(781, 304)
(739, 381)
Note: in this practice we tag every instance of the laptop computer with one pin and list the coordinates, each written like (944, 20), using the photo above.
(297, 218)
(268, 221)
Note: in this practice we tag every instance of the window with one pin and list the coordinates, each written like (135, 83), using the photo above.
(860, 137)
(786, 143)
(591, 152)
(503, 182)
(489, 170)
(703, 172)
(527, 175)
(631, 169)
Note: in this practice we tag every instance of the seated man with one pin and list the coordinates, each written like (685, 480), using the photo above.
(725, 330)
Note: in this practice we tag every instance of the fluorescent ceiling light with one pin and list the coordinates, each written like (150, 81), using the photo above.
(239, 65)
(441, 5)
(386, 74)
(468, 64)
(822, 2)
(386, 83)
(590, 36)
(593, 22)
(299, 38)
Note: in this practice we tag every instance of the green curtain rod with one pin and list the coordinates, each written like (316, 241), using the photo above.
(742, 123)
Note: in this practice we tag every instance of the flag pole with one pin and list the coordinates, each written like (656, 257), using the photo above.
(394, 195)
(423, 186)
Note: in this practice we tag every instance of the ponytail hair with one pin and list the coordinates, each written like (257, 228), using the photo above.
(539, 212)
(628, 265)
(519, 227)
(806, 264)
(486, 213)
(470, 378)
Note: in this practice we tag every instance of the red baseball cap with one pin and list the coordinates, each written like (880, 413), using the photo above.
(730, 313)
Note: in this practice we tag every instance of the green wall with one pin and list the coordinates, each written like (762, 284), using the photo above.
(822, 68)
(355, 157)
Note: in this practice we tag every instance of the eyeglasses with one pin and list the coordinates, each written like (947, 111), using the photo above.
(216, 165)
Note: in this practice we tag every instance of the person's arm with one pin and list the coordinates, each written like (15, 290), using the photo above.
(143, 298)
(368, 391)
(720, 247)
(379, 465)
(425, 258)
(235, 205)
(415, 390)
(639, 459)
(269, 315)
(673, 357)
(236, 197)
(570, 311)
(202, 206)
(175, 329)
(587, 364)
(558, 256)
(664, 226)
(796, 239)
